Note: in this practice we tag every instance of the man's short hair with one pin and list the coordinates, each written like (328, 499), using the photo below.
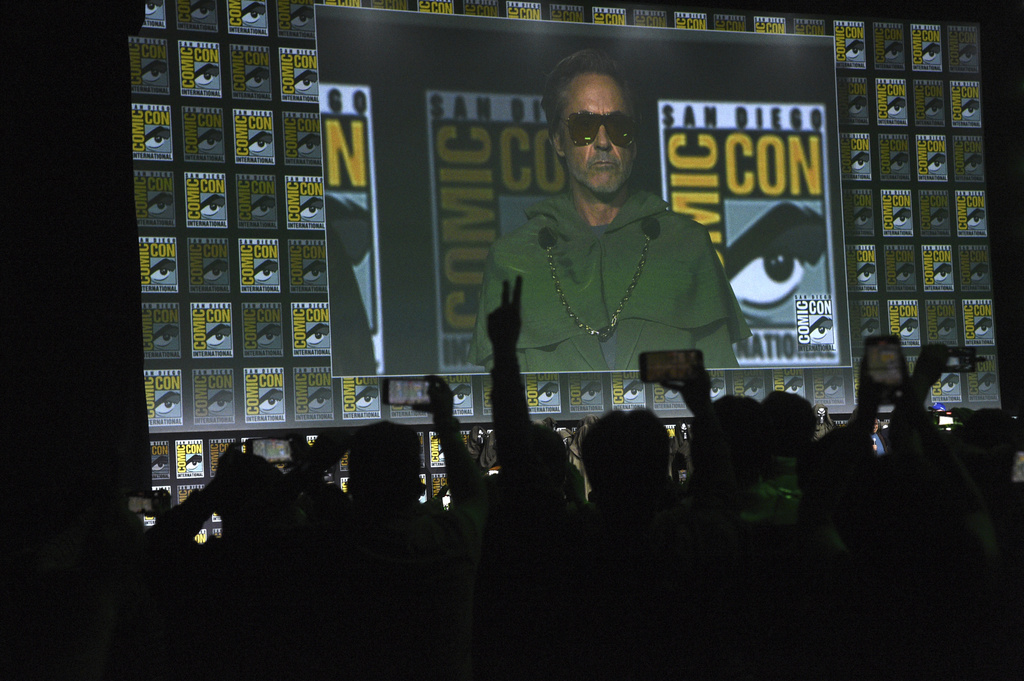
(590, 60)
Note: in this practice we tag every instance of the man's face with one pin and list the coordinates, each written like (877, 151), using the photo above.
(600, 168)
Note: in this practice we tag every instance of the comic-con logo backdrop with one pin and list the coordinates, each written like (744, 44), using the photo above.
(444, 159)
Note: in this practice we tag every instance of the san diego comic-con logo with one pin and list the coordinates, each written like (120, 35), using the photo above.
(829, 387)
(158, 259)
(163, 397)
(217, 448)
(314, 394)
(257, 201)
(971, 216)
(401, 5)
(489, 8)
(259, 265)
(764, 24)
(963, 49)
(202, 134)
(650, 17)
(543, 393)
(803, 26)
(858, 212)
(151, 132)
(855, 155)
(815, 324)
(889, 46)
(933, 205)
(748, 383)
(965, 103)
(586, 393)
(301, 138)
(199, 69)
(968, 159)
(161, 331)
(718, 383)
(730, 22)
(978, 325)
(925, 47)
(861, 269)
(295, 18)
(929, 103)
(867, 318)
(975, 270)
(254, 136)
(156, 14)
(851, 50)
(436, 6)
(197, 15)
(905, 321)
(147, 59)
(854, 92)
(790, 381)
(612, 16)
(248, 17)
(900, 269)
(211, 330)
(628, 391)
(307, 266)
(189, 459)
(250, 72)
(311, 330)
(208, 266)
(304, 196)
(937, 267)
(360, 397)
(160, 459)
(892, 103)
(462, 393)
(262, 330)
(696, 21)
(940, 319)
(299, 79)
(893, 157)
(666, 399)
(932, 158)
(213, 396)
(982, 385)
(153, 191)
(264, 395)
(947, 389)
(206, 200)
(897, 212)
(522, 10)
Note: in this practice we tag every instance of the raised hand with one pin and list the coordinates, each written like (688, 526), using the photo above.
(503, 324)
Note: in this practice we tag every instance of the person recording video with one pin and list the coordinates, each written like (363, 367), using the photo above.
(610, 270)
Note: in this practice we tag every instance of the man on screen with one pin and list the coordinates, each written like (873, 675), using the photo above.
(609, 271)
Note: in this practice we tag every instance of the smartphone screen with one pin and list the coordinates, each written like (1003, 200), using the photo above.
(669, 365)
(406, 392)
(884, 358)
(272, 449)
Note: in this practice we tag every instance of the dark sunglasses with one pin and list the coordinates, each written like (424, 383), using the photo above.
(584, 125)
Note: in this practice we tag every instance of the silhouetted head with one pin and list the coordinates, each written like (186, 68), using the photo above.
(384, 466)
(626, 457)
(746, 431)
(549, 448)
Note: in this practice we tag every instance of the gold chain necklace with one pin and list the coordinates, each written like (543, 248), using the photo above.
(605, 332)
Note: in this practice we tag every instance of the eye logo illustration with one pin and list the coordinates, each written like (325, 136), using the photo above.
(155, 9)
(314, 272)
(821, 330)
(318, 334)
(939, 217)
(832, 385)
(310, 209)
(257, 79)
(898, 162)
(320, 399)
(973, 163)
(869, 327)
(261, 143)
(167, 403)
(210, 140)
(548, 393)
(986, 382)
(160, 203)
(302, 17)
(930, 53)
(215, 270)
(866, 273)
(163, 271)
(901, 217)
(263, 206)
(794, 384)
(752, 386)
(909, 327)
(591, 392)
(941, 271)
(982, 326)
(897, 107)
(461, 394)
(194, 463)
(254, 14)
(950, 383)
(933, 108)
(213, 206)
(632, 392)
(158, 138)
(306, 82)
(204, 11)
(863, 215)
(166, 337)
(857, 106)
(717, 388)
(976, 217)
(767, 263)
(309, 144)
(979, 272)
(854, 50)
(860, 162)
(160, 462)
(155, 71)
(271, 401)
(218, 335)
(971, 108)
(967, 53)
(220, 401)
(266, 272)
(936, 163)
(946, 326)
(905, 272)
(268, 334)
(367, 399)
(208, 76)
(894, 51)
